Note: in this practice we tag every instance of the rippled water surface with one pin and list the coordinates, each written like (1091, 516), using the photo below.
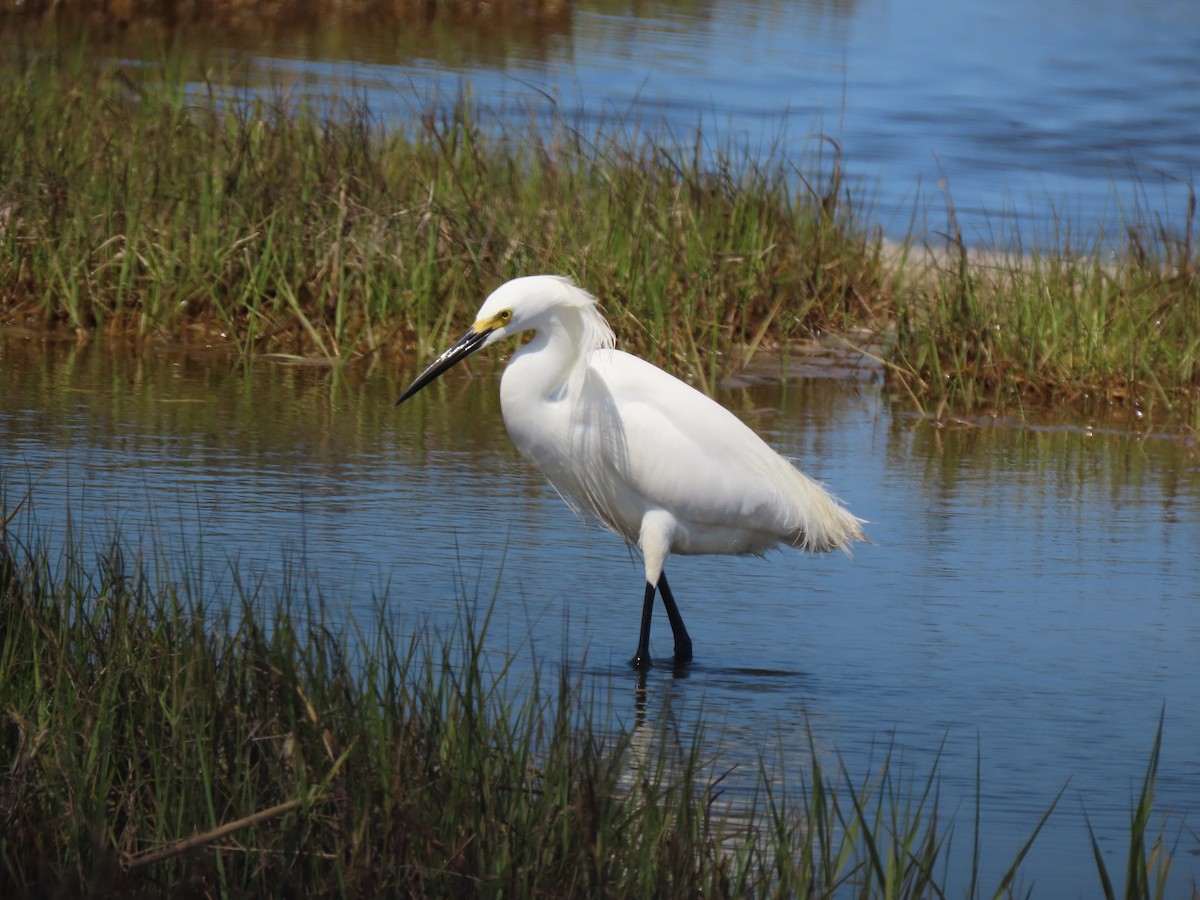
(1031, 600)
(1042, 117)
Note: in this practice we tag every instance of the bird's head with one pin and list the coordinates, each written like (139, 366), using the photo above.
(516, 306)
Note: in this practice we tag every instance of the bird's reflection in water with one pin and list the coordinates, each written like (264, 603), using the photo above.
(679, 670)
(689, 728)
(666, 754)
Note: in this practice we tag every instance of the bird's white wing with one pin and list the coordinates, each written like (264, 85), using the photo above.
(685, 453)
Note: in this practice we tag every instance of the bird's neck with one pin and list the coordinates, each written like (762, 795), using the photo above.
(537, 396)
(547, 368)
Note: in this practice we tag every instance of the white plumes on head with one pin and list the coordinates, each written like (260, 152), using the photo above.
(597, 333)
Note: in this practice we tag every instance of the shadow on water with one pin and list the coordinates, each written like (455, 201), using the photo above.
(737, 677)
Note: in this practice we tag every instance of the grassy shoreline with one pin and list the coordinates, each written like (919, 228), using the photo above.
(142, 212)
(249, 750)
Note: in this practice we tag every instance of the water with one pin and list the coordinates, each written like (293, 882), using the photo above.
(1031, 598)
(1041, 120)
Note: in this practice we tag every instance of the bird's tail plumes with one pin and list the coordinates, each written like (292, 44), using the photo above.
(819, 522)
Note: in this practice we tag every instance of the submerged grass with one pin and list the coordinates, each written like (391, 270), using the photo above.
(189, 206)
(156, 745)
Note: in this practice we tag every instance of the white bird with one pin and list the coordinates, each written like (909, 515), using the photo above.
(655, 460)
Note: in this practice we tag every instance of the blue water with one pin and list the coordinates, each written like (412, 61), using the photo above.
(1030, 601)
(1043, 122)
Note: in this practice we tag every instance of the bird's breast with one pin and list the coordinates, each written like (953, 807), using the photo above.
(581, 454)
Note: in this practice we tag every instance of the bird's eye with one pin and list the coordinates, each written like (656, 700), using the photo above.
(506, 315)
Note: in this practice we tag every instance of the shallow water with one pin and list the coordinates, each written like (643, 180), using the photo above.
(1041, 118)
(1031, 599)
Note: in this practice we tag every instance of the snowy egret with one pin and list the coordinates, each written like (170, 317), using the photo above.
(655, 460)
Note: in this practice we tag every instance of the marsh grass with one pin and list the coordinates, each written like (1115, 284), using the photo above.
(278, 223)
(191, 206)
(156, 745)
(1114, 327)
(1146, 869)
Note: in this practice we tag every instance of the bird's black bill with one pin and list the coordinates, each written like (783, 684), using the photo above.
(464, 347)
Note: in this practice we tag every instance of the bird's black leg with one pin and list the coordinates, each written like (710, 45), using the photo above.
(641, 659)
(683, 643)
